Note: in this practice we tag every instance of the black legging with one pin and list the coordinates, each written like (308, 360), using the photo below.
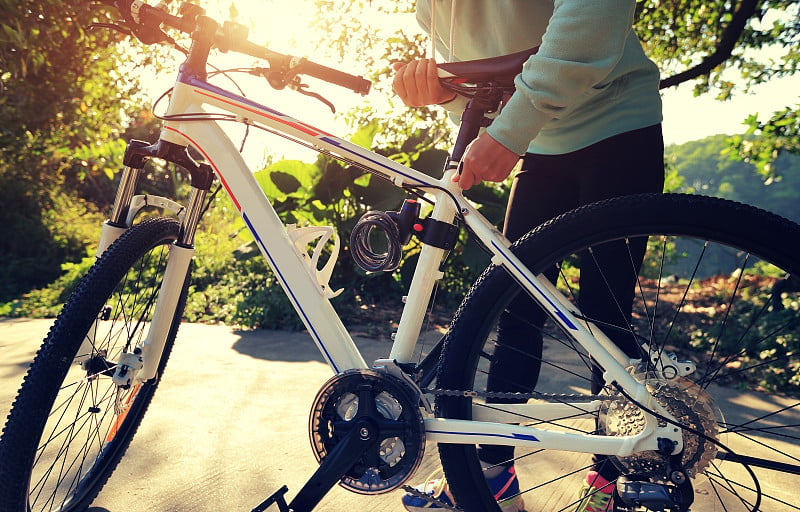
(549, 185)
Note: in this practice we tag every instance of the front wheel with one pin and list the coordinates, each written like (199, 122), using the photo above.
(717, 287)
(70, 424)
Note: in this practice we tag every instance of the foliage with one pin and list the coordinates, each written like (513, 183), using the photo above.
(707, 167)
(330, 193)
(723, 46)
(62, 90)
(232, 290)
(704, 39)
(730, 47)
(43, 230)
(373, 48)
(47, 302)
(749, 337)
(57, 154)
(50, 62)
(765, 142)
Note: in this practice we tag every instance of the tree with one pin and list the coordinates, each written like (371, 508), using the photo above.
(728, 46)
(62, 93)
(57, 74)
(731, 46)
(706, 170)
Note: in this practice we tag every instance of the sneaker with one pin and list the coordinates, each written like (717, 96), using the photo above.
(596, 494)
(504, 486)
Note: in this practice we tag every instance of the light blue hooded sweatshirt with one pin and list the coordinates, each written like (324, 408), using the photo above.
(590, 79)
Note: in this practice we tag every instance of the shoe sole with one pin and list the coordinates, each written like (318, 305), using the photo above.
(513, 505)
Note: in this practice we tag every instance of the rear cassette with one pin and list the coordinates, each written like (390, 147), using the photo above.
(691, 406)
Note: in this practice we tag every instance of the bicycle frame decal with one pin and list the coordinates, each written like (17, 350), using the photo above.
(513, 435)
(556, 309)
(277, 119)
(262, 110)
(265, 250)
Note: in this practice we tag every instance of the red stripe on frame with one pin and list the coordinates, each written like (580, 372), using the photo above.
(216, 170)
(307, 129)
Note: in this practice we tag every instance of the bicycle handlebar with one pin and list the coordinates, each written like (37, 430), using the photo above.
(302, 66)
(145, 22)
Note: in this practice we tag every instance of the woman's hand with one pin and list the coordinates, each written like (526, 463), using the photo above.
(485, 159)
(417, 83)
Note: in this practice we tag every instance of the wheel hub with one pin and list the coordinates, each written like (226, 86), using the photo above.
(98, 365)
(385, 413)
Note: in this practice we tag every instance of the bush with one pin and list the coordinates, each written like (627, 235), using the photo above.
(42, 235)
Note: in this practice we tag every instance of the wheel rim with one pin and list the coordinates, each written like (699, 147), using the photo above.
(734, 325)
(86, 429)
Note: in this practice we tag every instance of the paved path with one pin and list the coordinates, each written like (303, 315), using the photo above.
(228, 425)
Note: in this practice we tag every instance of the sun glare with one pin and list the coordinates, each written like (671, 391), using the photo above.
(287, 26)
(282, 25)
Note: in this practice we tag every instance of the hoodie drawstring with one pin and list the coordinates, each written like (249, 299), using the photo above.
(452, 43)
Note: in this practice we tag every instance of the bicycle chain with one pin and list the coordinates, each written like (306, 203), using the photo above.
(509, 395)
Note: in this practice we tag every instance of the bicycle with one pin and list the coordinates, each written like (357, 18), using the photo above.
(699, 419)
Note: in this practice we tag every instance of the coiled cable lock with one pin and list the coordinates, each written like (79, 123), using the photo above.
(397, 227)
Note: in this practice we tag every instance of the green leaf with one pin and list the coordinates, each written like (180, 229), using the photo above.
(285, 182)
(266, 184)
(304, 172)
(287, 177)
(334, 180)
(365, 135)
(363, 181)
(380, 195)
(431, 162)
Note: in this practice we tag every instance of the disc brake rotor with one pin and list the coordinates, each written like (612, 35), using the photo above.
(400, 443)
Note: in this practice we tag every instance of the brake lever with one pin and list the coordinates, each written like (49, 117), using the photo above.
(112, 26)
(299, 88)
(278, 80)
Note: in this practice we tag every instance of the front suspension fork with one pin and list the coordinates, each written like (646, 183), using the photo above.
(126, 206)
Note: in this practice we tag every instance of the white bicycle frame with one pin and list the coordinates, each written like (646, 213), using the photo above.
(300, 277)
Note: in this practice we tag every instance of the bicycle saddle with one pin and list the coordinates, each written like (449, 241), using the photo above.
(500, 70)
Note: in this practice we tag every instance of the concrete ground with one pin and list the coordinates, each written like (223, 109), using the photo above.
(228, 426)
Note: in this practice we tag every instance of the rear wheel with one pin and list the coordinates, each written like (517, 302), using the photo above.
(718, 288)
(70, 424)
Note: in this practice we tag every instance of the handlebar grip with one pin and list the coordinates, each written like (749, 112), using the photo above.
(355, 83)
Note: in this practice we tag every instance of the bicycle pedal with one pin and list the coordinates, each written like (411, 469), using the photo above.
(277, 498)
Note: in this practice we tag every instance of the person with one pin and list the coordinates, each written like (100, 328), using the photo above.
(585, 119)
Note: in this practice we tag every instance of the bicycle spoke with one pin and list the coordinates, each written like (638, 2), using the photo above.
(90, 420)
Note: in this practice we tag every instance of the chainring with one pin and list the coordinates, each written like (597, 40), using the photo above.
(689, 404)
(400, 443)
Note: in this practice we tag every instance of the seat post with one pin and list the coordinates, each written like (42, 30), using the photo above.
(474, 118)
